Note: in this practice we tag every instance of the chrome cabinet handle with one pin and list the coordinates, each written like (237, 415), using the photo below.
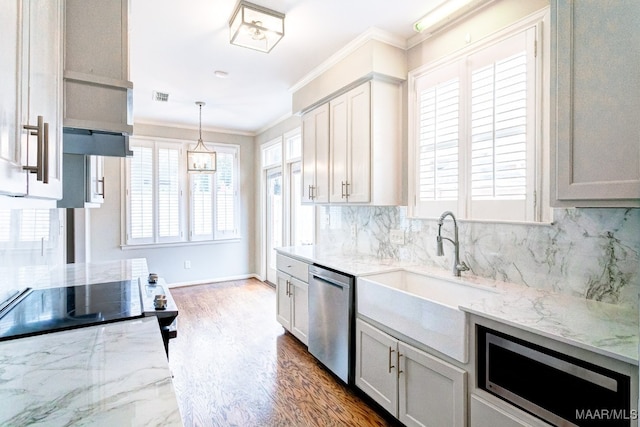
(288, 288)
(100, 181)
(342, 191)
(45, 155)
(398, 362)
(390, 365)
(38, 132)
(311, 192)
(346, 191)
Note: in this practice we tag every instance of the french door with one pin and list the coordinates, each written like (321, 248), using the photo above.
(274, 218)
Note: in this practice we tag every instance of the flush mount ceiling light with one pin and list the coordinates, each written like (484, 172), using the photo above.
(255, 27)
(200, 159)
(446, 13)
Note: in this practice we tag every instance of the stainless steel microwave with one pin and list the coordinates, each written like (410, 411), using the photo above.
(557, 388)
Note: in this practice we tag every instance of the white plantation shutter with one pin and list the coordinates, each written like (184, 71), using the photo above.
(202, 206)
(502, 121)
(474, 133)
(155, 206)
(140, 195)
(168, 194)
(214, 199)
(226, 201)
(438, 138)
(439, 113)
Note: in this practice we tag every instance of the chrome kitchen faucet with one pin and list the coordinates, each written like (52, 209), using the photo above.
(457, 265)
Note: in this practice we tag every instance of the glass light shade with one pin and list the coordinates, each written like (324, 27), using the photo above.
(201, 160)
(255, 27)
(445, 13)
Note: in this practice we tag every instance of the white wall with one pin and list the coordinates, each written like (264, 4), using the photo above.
(209, 262)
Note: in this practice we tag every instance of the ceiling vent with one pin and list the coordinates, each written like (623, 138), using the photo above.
(160, 96)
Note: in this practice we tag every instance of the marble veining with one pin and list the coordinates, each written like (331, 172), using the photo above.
(113, 374)
(608, 329)
(42, 276)
(586, 253)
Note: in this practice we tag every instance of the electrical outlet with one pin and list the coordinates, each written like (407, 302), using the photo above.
(187, 264)
(396, 237)
(354, 231)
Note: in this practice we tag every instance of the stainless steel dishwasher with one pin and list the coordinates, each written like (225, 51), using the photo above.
(331, 320)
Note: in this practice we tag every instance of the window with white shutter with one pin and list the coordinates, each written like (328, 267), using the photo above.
(156, 210)
(202, 206)
(225, 205)
(168, 194)
(214, 201)
(502, 129)
(438, 138)
(474, 137)
(140, 201)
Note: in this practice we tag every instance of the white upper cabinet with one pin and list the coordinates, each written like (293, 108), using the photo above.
(315, 155)
(595, 98)
(12, 177)
(362, 130)
(44, 94)
(31, 95)
(98, 93)
(350, 146)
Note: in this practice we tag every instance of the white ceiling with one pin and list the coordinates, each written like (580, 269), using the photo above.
(177, 45)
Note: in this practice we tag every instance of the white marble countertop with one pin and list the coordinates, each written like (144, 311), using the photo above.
(603, 328)
(112, 375)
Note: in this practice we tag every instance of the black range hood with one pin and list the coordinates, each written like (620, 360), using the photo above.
(97, 143)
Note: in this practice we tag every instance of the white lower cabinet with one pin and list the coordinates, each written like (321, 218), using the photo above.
(292, 305)
(415, 387)
(485, 414)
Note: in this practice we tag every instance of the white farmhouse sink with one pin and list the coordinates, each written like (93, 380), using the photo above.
(422, 307)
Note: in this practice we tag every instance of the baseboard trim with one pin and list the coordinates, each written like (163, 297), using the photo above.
(214, 280)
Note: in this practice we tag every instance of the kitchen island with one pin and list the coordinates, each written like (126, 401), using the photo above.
(108, 374)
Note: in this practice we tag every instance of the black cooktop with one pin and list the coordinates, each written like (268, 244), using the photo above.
(38, 311)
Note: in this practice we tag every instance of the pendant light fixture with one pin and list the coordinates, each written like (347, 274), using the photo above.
(200, 159)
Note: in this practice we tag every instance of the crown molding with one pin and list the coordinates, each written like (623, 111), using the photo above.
(372, 33)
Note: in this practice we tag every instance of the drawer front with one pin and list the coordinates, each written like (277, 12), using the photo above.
(293, 267)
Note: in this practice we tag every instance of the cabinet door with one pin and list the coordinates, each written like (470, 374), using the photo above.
(43, 94)
(338, 141)
(299, 309)
(359, 148)
(350, 146)
(376, 365)
(484, 414)
(431, 391)
(283, 302)
(595, 100)
(13, 180)
(95, 179)
(315, 155)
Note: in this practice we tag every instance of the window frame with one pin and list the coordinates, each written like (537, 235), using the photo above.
(537, 211)
(186, 209)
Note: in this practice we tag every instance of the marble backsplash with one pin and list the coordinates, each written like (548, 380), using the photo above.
(588, 253)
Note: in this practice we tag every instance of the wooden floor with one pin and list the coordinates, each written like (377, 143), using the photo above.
(234, 365)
